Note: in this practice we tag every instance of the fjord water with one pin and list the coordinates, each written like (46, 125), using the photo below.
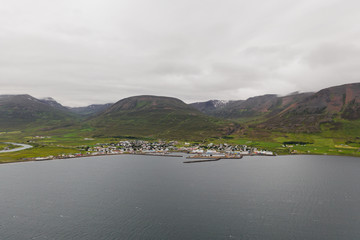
(141, 197)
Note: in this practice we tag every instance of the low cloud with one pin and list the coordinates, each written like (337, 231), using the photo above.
(94, 51)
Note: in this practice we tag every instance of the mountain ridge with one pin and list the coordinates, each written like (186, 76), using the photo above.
(160, 116)
(21, 111)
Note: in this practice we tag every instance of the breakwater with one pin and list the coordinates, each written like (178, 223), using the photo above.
(201, 158)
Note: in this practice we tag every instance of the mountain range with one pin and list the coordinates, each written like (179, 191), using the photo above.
(167, 117)
(297, 112)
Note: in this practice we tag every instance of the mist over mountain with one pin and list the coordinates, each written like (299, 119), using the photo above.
(259, 106)
(211, 106)
(90, 110)
(52, 102)
(325, 106)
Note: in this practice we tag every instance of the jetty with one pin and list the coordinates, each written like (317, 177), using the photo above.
(158, 154)
(203, 158)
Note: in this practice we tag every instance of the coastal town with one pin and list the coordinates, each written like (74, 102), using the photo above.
(163, 148)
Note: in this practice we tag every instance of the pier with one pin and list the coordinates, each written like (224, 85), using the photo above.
(201, 158)
(158, 154)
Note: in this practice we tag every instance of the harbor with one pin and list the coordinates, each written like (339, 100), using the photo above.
(205, 158)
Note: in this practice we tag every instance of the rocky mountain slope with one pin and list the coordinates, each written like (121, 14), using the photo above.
(259, 106)
(325, 106)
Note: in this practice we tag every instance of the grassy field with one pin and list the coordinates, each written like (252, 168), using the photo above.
(4, 146)
(341, 137)
(53, 144)
(338, 138)
(37, 151)
(316, 145)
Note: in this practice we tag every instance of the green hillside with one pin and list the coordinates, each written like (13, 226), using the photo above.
(24, 112)
(154, 116)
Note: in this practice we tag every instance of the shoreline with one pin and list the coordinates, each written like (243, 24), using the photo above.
(163, 155)
(83, 156)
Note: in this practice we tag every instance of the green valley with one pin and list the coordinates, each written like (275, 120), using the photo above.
(326, 122)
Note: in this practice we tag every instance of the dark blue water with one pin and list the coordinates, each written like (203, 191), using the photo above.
(138, 197)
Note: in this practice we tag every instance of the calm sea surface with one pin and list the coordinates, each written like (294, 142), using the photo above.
(139, 197)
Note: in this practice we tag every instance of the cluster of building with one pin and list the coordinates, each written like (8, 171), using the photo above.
(61, 156)
(225, 149)
(146, 147)
(162, 148)
(136, 146)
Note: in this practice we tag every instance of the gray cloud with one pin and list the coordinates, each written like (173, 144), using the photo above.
(83, 52)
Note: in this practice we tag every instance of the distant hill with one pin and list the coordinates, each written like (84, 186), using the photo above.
(210, 107)
(341, 100)
(157, 117)
(18, 112)
(90, 110)
(86, 111)
(297, 112)
(325, 106)
(252, 108)
(52, 102)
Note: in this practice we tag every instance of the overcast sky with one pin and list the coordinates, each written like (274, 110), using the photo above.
(96, 51)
